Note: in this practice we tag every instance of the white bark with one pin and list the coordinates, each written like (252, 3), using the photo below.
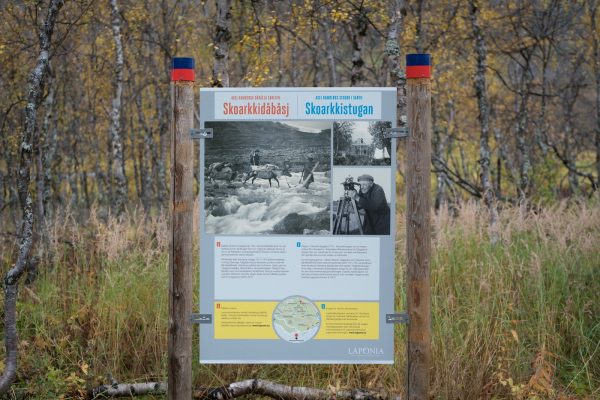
(329, 49)
(118, 165)
(593, 11)
(504, 155)
(439, 150)
(359, 32)
(294, 59)
(484, 120)
(238, 389)
(523, 149)
(316, 58)
(13, 275)
(221, 42)
(128, 390)
(393, 54)
(161, 169)
(44, 160)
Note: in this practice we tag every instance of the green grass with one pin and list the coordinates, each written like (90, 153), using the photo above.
(515, 320)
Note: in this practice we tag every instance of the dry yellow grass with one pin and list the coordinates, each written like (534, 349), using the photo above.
(515, 320)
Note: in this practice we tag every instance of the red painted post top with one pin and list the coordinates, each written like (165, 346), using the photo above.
(183, 69)
(418, 66)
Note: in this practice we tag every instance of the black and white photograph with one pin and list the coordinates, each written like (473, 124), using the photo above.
(361, 143)
(361, 201)
(265, 177)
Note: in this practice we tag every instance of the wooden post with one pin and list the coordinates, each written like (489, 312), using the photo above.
(180, 249)
(418, 236)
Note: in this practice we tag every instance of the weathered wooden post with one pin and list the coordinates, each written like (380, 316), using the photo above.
(180, 249)
(418, 236)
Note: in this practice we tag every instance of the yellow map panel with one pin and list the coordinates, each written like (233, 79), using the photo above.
(349, 320)
(254, 320)
(244, 320)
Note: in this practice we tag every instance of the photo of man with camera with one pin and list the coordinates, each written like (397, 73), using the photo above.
(371, 198)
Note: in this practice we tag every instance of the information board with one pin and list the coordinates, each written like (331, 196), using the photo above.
(297, 225)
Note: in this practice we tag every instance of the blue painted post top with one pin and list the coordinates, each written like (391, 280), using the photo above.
(418, 66)
(183, 69)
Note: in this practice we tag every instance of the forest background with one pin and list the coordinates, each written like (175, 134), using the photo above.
(84, 159)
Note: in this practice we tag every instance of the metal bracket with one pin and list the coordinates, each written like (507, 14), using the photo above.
(400, 318)
(397, 133)
(201, 318)
(201, 133)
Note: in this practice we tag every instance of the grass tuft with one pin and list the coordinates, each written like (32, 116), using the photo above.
(514, 320)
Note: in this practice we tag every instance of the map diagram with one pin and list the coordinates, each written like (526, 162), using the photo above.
(296, 319)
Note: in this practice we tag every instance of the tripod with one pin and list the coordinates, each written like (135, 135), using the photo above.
(346, 207)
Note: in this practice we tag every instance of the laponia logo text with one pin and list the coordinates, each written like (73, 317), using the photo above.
(365, 351)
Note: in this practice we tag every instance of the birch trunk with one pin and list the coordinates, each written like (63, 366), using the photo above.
(2, 194)
(280, 8)
(393, 54)
(117, 165)
(419, 33)
(220, 76)
(331, 67)
(570, 157)
(161, 169)
(522, 145)
(280, 56)
(593, 11)
(541, 131)
(484, 120)
(145, 153)
(439, 150)
(137, 180)
(42, 151)
(503, 155)
(359, 32)
(316, 59)
(72, 177)
(294, 60)
(13, 275)
(49, 153)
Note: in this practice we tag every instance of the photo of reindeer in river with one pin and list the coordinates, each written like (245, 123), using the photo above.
(263, 177)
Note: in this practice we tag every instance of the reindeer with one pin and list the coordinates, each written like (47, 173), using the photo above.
(221, 171)
(266, 171)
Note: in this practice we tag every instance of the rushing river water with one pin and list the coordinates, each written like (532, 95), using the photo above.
(256, 208)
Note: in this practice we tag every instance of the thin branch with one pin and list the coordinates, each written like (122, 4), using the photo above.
(238, 389)
(441, 166)
(571, 167)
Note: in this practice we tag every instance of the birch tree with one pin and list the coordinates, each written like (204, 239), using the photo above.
(592, 6)
(325, 23)
(118, 164)
(11, 280)
(222, 37)
(44, 153)
(484, 118)
(357, 31)
(393, 54)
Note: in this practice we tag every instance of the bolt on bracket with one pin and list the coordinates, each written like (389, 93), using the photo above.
(201, 133)
(398, 133)
(399, 318)
(201, 318)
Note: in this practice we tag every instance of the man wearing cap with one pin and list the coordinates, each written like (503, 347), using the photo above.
(371, 198)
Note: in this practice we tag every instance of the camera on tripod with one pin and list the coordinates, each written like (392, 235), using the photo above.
(349, 183)
(345, 208)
